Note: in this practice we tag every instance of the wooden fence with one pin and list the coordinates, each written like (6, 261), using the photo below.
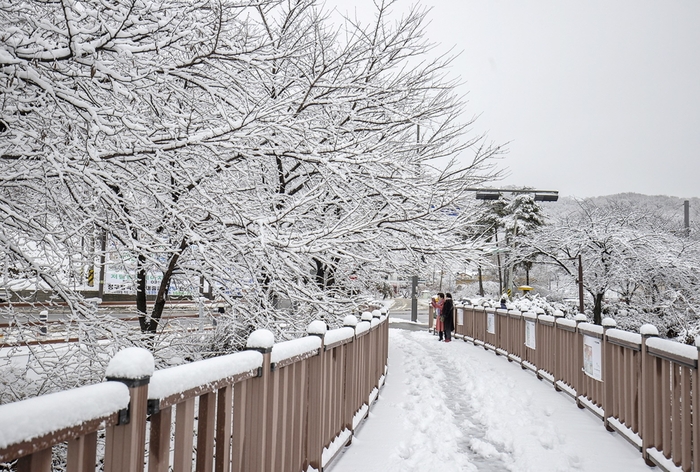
(644, 387)
(289, 406)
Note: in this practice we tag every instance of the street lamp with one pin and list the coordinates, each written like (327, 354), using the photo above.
(487, 195)
(495, 194)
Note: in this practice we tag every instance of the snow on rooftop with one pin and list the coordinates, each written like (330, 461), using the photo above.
(181, 378)
(35, 417)
(131, 363)
(260, 339)
(295, 347)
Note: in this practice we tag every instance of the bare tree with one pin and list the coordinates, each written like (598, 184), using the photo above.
(254, 145)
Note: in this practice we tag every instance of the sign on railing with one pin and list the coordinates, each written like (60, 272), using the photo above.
(643, 387)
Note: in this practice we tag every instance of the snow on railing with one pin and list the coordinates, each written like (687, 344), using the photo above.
(292, 405)
(645, 388)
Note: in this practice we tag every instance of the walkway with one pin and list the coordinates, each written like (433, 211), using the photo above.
(457, 407)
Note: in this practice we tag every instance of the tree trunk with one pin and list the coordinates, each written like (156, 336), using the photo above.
(598, 308)
(159, 304)
(141, 306)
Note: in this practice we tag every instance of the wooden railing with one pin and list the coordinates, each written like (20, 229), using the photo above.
(644, 387)
(289, 406)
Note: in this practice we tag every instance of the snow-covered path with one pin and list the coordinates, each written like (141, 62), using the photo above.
(457, 407)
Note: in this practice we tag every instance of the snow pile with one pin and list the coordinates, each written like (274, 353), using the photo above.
(362, 327)
(625, 336)
(260, 339)
(335, 445)
(676, 349)
(336, 335)
(46, 414)
(648, 330)
(455, 408)
(167, 382)
(295, 347)
(317, 327)
(131, 363)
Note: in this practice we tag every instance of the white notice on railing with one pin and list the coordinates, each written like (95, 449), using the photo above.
(592, 360)
(491, 323)
(460, 317)
(530, 340)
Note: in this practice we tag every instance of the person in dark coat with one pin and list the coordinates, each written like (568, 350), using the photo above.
(448, 313)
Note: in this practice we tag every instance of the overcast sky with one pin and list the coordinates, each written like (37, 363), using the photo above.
(596, 97)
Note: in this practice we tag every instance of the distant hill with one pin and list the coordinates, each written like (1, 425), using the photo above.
(672, 207)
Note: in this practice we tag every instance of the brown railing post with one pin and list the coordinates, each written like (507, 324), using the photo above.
(648, 425)
(351, 402)
(560, 346)
(578, 353)
(608, 323)
(431, 314)
(695, 403)
(255, 451)
(314, 413)
(125, 442)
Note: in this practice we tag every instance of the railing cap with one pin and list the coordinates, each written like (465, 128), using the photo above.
(558, 314)
(580, 318)
(317, 328)
(132, 363)
(608, 322)
(261, 339)
(647, 330)
(350, 321)
(367, 316)
(376, 314)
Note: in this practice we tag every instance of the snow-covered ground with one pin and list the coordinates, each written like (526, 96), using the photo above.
(457, 407)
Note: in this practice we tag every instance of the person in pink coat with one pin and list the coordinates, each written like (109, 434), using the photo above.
(437, 302)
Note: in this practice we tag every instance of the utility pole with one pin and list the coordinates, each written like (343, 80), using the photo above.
(580, 285)
(508, 279)
(414, 298)
(686, 217)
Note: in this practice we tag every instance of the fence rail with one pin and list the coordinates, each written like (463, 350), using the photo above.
(289, 406)
(644, 387)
